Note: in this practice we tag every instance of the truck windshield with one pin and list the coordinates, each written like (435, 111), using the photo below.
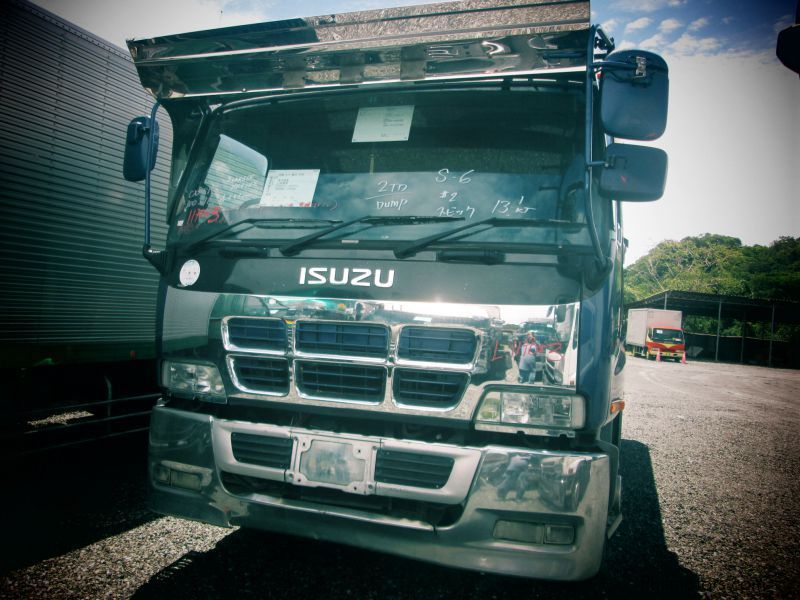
(462, 156)
(659, 334)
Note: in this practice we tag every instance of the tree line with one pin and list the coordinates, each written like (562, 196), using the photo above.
(719, 264)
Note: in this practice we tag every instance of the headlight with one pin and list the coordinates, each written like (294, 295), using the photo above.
(196, 380)
(510, 410)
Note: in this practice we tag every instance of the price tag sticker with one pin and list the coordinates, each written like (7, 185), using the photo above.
(383, 124)
(290, 188)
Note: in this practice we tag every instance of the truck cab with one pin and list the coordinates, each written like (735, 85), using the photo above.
(361, 207)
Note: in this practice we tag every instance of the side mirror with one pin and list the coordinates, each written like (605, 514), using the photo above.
(137, 143)
(634, 93)
(634, 173)
(788, 48)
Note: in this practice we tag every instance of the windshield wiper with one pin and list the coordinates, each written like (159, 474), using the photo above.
(304, 242)
(257, 222)
(423, 243)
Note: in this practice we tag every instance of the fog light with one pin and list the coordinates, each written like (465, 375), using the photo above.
(161, 474)
(515, 531)
(188, 481)
(562, 535)
(196, 380)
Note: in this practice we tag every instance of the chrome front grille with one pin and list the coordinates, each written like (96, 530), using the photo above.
(360, 383)
(256, 334)
(437, 344)
(434, 389)
(261, 374)
(416, 366)
(341, 339)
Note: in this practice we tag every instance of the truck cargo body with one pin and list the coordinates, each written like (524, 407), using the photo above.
(362, 208)
(78, 302)
(653, 332)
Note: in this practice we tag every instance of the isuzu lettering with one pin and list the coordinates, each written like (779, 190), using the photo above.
(363, 210)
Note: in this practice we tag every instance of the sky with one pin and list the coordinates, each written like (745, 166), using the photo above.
(733, 130)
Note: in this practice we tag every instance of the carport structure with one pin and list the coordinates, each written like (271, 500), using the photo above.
(746, 310)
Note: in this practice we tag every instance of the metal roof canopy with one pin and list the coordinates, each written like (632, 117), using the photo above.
(726, 307)
(473, 38)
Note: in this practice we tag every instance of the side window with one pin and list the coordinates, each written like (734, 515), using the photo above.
(236, 174)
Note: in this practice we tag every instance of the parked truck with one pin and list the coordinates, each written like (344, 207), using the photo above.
(654, 332)
(358, 203)
(78, 302)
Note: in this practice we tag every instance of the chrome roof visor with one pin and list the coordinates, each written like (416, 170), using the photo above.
(473, 38)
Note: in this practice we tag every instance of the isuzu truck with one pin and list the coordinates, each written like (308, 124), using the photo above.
(360, 206)
(654, 333)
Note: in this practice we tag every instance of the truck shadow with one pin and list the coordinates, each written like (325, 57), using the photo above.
(254, 564)
(65, 500)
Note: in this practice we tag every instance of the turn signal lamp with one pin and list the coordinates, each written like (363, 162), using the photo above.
(531, 412)
(196, 380)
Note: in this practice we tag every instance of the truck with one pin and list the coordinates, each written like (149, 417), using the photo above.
(78, 302)
(654, 332)
(359, 205)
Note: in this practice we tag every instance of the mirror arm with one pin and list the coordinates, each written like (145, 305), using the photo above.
(157, 258)
(596, 39)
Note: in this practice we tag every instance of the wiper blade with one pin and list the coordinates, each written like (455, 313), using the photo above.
(423, 243)
(255, 222)
(304, 242)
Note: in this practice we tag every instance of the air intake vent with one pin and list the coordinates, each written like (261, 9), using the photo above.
(262, 450)
(257, 334)
(262, 374)
(437, 344)
(428, 388)
(342, 339)
(412, 469)
(344, 382)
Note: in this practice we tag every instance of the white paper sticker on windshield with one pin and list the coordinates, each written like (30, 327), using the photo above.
(290, 188)
(383, 124)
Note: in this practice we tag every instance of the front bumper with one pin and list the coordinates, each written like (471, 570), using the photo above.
(516, 511)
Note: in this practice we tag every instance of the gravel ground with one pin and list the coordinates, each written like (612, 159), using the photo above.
(711, 477)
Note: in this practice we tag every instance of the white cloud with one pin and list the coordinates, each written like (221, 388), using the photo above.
(669, 25)
(698, 24)
(640, 23)
(655, 43)
(639, 5)
(610, 26)
(689, 45)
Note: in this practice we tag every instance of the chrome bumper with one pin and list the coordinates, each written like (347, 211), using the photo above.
(525, 512)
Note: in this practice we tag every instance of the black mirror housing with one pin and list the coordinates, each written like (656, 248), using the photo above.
(634, 173)
(137, 142)
(634, 94)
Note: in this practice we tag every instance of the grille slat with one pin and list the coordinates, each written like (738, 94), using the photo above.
(428, 388)
(262, 374)
(258, 334)
(437, 344)
(412, 469)
(347, 382)
(342, 339)
(262, 450)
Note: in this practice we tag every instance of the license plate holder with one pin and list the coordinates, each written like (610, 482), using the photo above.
(339, 463)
